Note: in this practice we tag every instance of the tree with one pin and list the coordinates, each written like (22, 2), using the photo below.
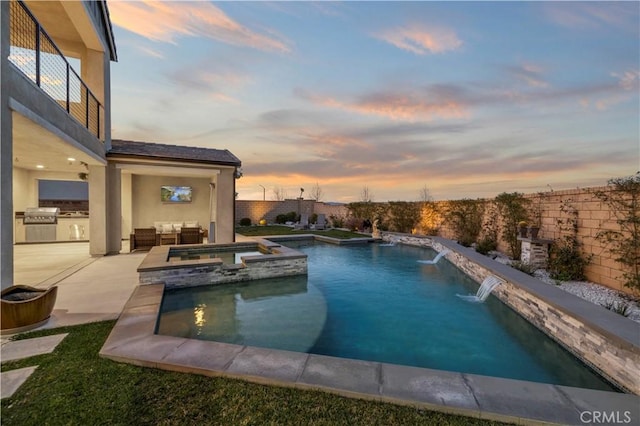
(279, 193)
(425, 195)
(366, 196)
(316, 192)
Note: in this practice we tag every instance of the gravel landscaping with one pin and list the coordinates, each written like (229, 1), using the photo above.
(592, 292)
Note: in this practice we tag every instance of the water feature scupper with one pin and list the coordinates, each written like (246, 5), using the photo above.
(484, 291)
(436, 259)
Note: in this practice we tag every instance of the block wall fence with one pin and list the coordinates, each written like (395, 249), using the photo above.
(593, 216)
(256, 210)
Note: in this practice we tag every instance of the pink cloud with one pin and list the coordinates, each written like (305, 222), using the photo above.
(421, 41)
(166, 21)
(532, 75)
(409, 108)
(397, 106)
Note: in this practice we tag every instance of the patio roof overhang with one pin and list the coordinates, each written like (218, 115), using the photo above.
(147, 153)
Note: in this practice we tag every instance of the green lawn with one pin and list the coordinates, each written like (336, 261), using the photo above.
(259, 231)
(74, 386)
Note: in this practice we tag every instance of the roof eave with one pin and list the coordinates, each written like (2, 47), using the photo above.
(113, 54)
(116, 155)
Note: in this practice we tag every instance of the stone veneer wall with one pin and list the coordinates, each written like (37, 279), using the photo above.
(615, 359)
(219, 273)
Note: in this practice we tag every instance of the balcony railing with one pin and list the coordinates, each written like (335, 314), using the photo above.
(35, 54)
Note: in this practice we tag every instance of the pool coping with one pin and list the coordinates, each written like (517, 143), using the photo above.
(133, 340)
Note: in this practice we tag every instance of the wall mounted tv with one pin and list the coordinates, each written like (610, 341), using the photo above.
(175, 194)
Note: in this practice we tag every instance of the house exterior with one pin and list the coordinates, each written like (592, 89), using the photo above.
(55, 108)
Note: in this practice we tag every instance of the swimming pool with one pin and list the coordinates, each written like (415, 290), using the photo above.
(379, 304)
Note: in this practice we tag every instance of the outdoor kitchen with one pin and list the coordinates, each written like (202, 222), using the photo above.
(49, 224)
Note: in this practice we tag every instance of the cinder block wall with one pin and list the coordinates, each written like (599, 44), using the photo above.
(593, 216)
(256, 210)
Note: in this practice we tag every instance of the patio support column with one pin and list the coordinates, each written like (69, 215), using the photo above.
(6, 157)
(213, 207)
(114, 210)
(105, 212)
(225, 206)
(126, 203)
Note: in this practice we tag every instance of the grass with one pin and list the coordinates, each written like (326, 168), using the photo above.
(259, 231)
(74, 386)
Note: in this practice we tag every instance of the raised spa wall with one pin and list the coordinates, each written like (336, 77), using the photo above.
(279, 261)
(604, 340)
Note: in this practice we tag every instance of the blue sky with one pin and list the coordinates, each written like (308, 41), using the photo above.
(467, 99)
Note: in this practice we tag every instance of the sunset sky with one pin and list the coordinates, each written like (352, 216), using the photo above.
(468, 99)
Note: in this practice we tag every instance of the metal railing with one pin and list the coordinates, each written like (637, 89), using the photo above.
(35, 54)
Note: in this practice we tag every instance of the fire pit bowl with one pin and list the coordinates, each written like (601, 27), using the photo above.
(24, 308)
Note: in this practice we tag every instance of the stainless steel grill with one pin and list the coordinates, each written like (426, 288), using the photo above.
(41, 215)
(41, 223)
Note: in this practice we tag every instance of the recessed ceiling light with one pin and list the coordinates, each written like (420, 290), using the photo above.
(39, 166)
(71, 159)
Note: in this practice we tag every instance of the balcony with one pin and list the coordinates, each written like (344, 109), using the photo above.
(35, 54)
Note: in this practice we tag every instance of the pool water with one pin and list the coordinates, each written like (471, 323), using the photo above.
(227, 257)
(378, 304)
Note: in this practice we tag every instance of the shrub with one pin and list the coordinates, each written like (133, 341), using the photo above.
(465, 219)
(404, 215)
(353, 223)
(623, 199)
(527, 268)
(287, 217)
(566, 260)
(245, 221)
(511, 207)
(485, 245)
(366, 210)
(430, 218)
(489, 234)
(336, 221)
